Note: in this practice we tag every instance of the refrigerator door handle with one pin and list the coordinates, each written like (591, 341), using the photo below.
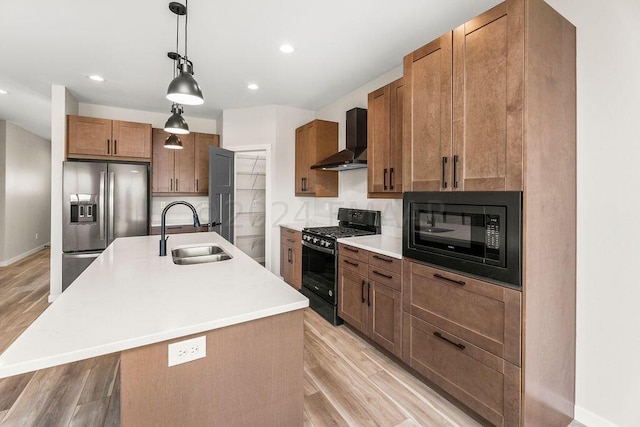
(112, 185)
(101, 205)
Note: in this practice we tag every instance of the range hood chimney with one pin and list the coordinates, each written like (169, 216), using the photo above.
(355, 155)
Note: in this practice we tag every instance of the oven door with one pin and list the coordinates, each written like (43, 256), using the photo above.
(319, 272)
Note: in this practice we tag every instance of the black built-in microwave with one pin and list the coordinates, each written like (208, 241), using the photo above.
(478, 233)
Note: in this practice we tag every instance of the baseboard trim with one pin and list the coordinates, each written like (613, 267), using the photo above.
(21, 256)
(590, 419)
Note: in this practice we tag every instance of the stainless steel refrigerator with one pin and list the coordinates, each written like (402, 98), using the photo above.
(100, 202)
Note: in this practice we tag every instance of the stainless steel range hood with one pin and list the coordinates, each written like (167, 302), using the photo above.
(355, 155)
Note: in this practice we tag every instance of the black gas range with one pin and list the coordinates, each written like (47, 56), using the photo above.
(320, 258)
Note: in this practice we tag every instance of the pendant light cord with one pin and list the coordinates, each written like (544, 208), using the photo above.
(175, 61)
(186, 26)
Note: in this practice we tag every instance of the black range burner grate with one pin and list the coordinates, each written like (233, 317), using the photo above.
(337, 232)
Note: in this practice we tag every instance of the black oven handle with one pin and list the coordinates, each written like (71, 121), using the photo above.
(318, 248)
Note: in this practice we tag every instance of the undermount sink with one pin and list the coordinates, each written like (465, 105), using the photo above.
(199, 255)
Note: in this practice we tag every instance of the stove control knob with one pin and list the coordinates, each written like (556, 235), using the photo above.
(315, 240)
(327, 244)
(322, 242)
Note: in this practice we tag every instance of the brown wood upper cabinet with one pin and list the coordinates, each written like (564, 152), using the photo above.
(463, 125)
(315, 141)
(94, 138)
(185, 170)
(384, 144)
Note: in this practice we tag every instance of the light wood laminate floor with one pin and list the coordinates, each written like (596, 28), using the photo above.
(347, 382)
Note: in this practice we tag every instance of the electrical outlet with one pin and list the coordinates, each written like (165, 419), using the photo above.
(36, 236)
(188, 350)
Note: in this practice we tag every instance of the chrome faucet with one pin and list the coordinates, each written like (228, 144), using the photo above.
(163, 239)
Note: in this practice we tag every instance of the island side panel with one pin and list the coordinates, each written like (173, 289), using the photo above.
(252, 375)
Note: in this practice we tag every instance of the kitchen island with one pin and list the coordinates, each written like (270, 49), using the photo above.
(130, 300)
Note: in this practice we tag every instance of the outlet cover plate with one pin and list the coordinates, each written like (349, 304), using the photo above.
(187, 350)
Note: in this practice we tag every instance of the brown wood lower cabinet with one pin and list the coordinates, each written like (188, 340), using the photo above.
(370, 298)
(484, 382)
(464, 335)
(291, 256)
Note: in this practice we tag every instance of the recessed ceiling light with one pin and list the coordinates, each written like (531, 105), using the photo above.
(252, 86)
(3, 92)
(286, 48)
(96, 78)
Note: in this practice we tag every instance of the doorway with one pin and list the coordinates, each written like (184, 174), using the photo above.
(252, 196)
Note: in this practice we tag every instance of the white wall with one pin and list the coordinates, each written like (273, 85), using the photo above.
(27, 194)
(352, 191)
(273, 126)
(3, 163)
(608, 92)
(62, 103)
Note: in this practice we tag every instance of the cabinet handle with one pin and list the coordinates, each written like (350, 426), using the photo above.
(391, 178)
(171, 184)
(355, 264)
(115, 147)
(457, 344)
(383, 259)
(196, 184)
(362, 291)
(108, 146)
(384, 179)
(288, 230)
(382, 274)
(455, 171)
(289, 255)
(444, 168)
(457, 282)
(351, 249)
(369, 294)
(177, 185)
(291, 240)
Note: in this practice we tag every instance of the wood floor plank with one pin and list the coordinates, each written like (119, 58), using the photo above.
(319, 412)
(11, 388)
(112, 418)
(90, 414)
(101, 378)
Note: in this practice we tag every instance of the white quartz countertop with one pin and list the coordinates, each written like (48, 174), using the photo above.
(298, 226)
(130, 297)
(384, 245)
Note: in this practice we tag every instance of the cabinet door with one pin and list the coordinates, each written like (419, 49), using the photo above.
(378, 141)
(352, 297)
(396, 114)
(89, 136)
(296, 270)
(162, 166)
(427, 117)
(302, 162)
(131, 139)
(286, 264)
(488, 101)
(385, 325)
(185, 165)
(202, 143)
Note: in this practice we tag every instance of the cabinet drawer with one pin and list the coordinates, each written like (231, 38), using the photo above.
(353, 252)
(385, 262)
(385, 277)
(486, 383)
(482, 313)
(353, 264)
(290, 237)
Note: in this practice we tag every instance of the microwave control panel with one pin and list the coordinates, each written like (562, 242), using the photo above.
(493, 231)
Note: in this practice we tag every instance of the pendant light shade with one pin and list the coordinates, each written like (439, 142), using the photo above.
(184, 89)
(176, 123)
(173, 142)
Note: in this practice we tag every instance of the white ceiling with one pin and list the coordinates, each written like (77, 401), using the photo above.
(339, 46)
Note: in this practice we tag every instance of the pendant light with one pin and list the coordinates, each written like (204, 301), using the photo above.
(184, 89)
(176, 123)
(173, 142)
